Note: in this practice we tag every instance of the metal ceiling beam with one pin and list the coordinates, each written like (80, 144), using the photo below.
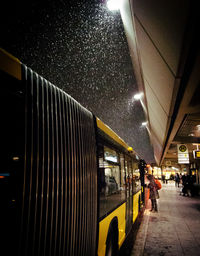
(186, 140)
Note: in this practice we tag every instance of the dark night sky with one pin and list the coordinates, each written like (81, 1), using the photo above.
(80, 46)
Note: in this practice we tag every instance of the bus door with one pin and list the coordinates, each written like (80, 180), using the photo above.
(129, 193)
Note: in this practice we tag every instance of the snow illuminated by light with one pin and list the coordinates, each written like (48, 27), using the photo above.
(81, 47)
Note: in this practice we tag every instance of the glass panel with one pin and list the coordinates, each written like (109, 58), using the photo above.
(128, 167)
(130, 175)
(112, 189)
(110, 155)
(136, 177)
(112, 179)
(127, 179)
(123, 173)
(129, 207)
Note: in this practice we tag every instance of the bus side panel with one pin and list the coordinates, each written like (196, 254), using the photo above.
(12, 112)
(59, 204)
(136, 205)
(120, 213)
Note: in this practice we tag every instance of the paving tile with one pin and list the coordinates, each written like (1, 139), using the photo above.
(187, 243)
(193, 251)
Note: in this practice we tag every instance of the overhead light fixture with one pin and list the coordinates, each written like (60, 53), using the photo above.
(144, 123)
(138, 96)
(113, 5)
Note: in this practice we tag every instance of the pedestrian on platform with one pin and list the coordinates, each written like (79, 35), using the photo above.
(177, 180)
(163, 178)
(186, 184)
(154, 195)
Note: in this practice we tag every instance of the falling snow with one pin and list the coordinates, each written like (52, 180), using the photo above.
(81, 47)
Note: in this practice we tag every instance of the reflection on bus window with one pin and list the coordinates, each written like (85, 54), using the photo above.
(110, 155)
(112, 189)
(112, 180)
(123, 173)
(136, 177)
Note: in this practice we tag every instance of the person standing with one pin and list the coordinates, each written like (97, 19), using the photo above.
(177, 180)
(154, 195)
(163, 178)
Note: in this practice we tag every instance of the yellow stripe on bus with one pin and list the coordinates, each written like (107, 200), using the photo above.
(10, 64)
(111, 133)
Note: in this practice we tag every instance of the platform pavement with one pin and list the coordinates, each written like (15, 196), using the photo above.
(174, 230)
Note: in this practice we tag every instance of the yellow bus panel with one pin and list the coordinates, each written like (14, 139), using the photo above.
(120, 213)
(136, 205)
(10, 64)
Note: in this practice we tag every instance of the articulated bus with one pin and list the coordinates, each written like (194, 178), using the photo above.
(69, 185)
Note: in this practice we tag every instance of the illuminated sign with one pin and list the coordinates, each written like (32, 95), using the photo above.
(182, 148)
(183, 155)
(196, 154)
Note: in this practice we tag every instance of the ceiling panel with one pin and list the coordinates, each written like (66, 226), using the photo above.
(156, 109)
(155, 70)
(190, 126)
(157, 147)
(164, 22)
(156, 127)
(167, 53)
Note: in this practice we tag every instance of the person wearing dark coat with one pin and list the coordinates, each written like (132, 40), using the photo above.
(177, 180)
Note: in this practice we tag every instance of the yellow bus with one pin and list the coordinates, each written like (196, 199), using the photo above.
(69, 185)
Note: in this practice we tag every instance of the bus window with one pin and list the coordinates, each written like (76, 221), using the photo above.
(136, 177)
(110, 186)
(129, 176)
(123, 174)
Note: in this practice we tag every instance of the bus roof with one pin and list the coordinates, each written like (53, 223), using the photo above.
(10, 64)
(106, 129)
